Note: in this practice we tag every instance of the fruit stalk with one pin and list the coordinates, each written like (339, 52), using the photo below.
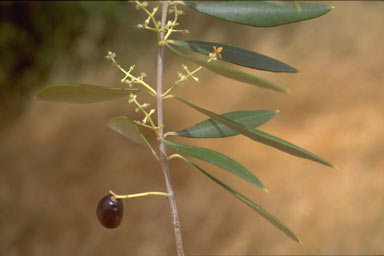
(163, 153)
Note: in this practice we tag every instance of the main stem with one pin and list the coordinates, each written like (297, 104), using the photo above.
(163, 153)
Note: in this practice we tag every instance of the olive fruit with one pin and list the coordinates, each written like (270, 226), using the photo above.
(110, 211)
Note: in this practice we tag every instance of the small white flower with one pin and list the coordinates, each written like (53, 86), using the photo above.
(110, 55)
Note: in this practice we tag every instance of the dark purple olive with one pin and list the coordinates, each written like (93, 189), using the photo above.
(110, 212)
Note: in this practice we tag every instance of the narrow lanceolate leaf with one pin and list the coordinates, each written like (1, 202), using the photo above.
(82, 93)
(230, 72)
(146, 141)
(259, 13)
(217, 159)
(261, 136)
(126, 127)
(236, 55)
(210, 128)
(264, 213)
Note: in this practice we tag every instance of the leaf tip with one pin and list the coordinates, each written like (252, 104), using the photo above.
(266, 190)
(329, 164)
(36, 97)
(297, 239)
(287, 91)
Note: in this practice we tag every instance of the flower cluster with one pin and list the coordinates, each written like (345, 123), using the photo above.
(151, 23)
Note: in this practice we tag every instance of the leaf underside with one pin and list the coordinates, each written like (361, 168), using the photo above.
(82, 93)
(264, 213)
(231, 73)
(210, 128)
(236, 55)
(124, 126)
(259, 13)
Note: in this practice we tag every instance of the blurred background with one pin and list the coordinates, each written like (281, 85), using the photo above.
(58, 160)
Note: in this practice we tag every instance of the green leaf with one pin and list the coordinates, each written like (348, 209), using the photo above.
(231, 72)
(126, 127)
(213, 129)
(261, 136)
(217, 159)
(236, 55)
(82, 93)
(259, 13)
(264, 213)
